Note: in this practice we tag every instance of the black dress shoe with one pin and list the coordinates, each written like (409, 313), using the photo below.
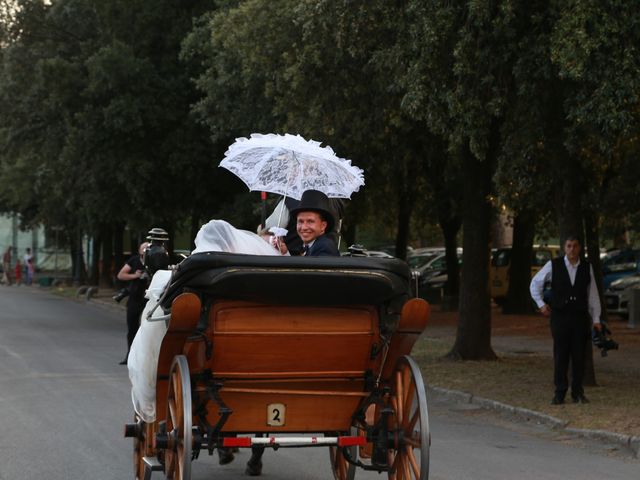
(254, 467)
(225, 456)
(580, 398)
(557, 400)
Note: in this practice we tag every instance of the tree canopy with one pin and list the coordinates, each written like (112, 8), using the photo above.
(117, 112)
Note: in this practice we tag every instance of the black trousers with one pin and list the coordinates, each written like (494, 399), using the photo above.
(134, 311)
(570, 331)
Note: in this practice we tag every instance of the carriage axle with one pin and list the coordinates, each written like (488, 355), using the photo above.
(247, 442)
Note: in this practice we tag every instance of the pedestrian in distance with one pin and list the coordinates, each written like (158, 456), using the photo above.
(134, 272)
(574, 305)
(18, 272)
(28, 266)
(6, 266)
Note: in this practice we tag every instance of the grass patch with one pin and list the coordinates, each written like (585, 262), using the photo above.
(526, 380)
(67, 292)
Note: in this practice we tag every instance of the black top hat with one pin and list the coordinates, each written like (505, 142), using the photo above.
(158, 234)
(315, 201)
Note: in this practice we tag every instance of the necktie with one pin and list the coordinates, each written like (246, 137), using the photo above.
(305, 249)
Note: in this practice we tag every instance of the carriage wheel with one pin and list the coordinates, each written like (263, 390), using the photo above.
(177, 457)
(409, 425)
(343, 470)
(142, 446)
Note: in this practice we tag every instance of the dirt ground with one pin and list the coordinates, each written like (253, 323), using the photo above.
(523, 374)
(531, 334)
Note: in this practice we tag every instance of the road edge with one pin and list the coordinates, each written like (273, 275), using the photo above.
(627, 441)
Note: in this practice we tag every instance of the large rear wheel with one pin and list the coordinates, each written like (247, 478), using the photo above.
(409, 424)
(341, 468)
(177, 455)
(142, 446)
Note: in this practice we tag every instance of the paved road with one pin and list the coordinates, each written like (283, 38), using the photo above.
(64, 400)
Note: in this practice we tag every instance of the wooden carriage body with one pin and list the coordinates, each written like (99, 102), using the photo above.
(284, 344)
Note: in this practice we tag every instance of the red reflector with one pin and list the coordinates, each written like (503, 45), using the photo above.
(351, 441)
(236, 442)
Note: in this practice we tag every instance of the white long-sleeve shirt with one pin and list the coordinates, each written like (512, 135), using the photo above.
(544, 275)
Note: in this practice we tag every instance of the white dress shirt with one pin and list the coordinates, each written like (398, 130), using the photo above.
(544, 275)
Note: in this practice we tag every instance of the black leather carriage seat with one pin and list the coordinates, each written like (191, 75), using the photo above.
(293, 280)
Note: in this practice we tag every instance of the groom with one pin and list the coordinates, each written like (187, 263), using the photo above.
(313, 220)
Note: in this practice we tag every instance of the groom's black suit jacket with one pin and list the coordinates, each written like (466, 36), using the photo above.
(323, 247)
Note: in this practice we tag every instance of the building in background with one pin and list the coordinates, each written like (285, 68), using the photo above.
(47, 254)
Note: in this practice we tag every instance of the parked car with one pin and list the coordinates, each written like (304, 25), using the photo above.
(391, 250)
(420, 257)
(432, 276)
(179, 255)
(617, 296)
(360, 251)
(620, 264)
(501, 262)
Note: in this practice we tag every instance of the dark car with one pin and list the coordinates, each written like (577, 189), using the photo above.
(617, 296)
(360, 251)
(179, 255)
(432, 277)
(620, 264)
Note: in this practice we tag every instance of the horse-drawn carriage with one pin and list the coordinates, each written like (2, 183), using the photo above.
(288, 351)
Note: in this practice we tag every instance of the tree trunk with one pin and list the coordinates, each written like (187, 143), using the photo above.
(404, 217)
(571, 222)
(96, 264)
(194, 228)
(172, 234)
(107, 273)
(77, 257)
(569, 201)
(118, 248)
(592, 240)
(406, 200)
(473, 337)
(450, 227)
(518, 299)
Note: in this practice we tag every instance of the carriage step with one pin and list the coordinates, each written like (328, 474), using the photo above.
(151, 464)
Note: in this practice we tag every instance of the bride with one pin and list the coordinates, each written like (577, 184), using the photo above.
(215, 236)
(220, 236)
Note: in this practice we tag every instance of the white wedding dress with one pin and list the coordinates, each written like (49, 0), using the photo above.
(215, 236)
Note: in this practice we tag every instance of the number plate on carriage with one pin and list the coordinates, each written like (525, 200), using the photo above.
(275, 414)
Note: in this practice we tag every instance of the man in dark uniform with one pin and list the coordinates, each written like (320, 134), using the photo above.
(574, 305)
(133, 271)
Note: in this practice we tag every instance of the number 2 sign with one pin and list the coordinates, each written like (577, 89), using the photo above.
(275, 414)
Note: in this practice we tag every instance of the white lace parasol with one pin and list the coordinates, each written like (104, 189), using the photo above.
(288, 165)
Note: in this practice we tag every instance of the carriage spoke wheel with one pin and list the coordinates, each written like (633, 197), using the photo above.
(409, 424)
(142, 446)
(177, 456)
(341, 468)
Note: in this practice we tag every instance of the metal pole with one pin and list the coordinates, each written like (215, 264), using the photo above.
(634, 308)
(55, 255)
(263, 197)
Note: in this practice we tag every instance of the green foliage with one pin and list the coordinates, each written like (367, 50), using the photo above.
(118, 111)
(98, 127)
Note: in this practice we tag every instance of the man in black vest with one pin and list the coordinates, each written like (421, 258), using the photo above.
(574, 305)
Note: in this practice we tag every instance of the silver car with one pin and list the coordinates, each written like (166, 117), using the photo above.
(617, 296)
